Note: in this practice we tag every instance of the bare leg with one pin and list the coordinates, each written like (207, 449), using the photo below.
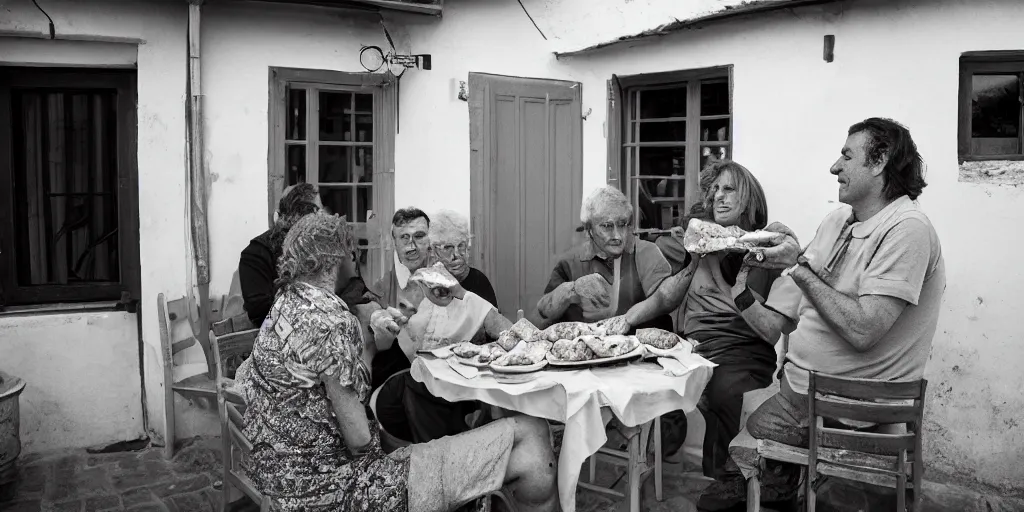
(531, 474)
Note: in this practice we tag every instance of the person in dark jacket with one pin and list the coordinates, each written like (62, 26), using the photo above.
(257, 267)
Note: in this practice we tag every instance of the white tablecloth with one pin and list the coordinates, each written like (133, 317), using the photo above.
(582, 399)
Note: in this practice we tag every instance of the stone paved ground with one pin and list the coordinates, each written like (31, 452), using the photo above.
(142, 481)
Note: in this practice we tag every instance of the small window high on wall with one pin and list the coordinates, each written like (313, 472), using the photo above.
(991, 120)
(665, 127)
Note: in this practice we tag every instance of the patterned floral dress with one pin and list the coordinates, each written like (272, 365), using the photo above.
(299, 455)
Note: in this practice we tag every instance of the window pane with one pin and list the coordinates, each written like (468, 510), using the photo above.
(674, 131)
(296, 115)
(712, 154)
(661, 200)
(364, 201)
(337, 200)
(364, 117)
(335, 164)
(995, 114)
(346, 164)
(335, 116)
(295, 166)
(714, 130)
(661, 103)
(65, 170)
(714, 97)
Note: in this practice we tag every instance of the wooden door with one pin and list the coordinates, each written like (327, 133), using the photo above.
(526, 180)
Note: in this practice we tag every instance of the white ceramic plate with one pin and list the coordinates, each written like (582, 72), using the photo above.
(591, 362)
(519, 369)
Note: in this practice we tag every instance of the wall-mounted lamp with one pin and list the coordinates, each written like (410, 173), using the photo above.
(463, 95)
(828, 53)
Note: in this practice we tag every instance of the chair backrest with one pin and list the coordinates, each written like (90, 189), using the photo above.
(872, 401)
(230, 350)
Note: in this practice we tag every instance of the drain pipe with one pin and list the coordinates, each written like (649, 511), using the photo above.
(197, 175)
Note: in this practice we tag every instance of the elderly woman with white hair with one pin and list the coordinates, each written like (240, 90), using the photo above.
(609, 272)
(449, 241)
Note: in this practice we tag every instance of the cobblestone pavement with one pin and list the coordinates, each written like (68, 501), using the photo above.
(142, 481)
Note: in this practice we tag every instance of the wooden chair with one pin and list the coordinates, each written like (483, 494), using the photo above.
(870, 457)
(181, 313)
(637, 461)
(226, 316)
(230, 408)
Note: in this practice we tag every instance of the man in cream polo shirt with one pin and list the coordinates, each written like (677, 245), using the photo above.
(871, 280)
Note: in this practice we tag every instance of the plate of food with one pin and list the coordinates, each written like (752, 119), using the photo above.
(525, 357)
(704, 237)
(478, 356)
(590, 350)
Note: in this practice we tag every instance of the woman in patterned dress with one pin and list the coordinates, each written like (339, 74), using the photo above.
(314, 449)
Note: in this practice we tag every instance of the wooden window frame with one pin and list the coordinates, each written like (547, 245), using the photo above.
(384, 91)
(997, 62)
(620, 89)
(129, 286)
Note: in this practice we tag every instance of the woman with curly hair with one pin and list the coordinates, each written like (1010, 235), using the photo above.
(314, 447)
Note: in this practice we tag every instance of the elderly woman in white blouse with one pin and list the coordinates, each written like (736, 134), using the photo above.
(462, 312)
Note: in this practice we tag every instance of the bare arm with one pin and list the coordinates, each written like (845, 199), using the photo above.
(351, 415)
(767, 323)
(668, 296)
(494, 323)
(861, 321)
(554, 304)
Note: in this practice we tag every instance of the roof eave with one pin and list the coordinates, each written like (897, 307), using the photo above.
(757, 7)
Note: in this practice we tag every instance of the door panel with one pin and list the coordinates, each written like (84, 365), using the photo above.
(526, 149)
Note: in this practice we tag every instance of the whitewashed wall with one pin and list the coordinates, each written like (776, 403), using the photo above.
(792, 109)
(121, 34)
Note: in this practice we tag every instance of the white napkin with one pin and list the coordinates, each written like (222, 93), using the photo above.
(467, 372)
(673, 366)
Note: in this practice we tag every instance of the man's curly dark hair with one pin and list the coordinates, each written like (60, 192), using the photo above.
(904, 171)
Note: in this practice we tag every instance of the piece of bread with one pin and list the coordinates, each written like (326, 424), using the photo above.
(507, 340)
(490, 352)
(610, 346)
(434, 276)
(524, 330)
(466, 350)
(657, 338)
(525, 354)
(571, 350)
(569, 331)
(703, 237)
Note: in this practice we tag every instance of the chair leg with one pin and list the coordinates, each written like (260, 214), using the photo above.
(634, 473)
(917, 469)
(901, 482)
(657, 460)
(754, 494)
(810, 491)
